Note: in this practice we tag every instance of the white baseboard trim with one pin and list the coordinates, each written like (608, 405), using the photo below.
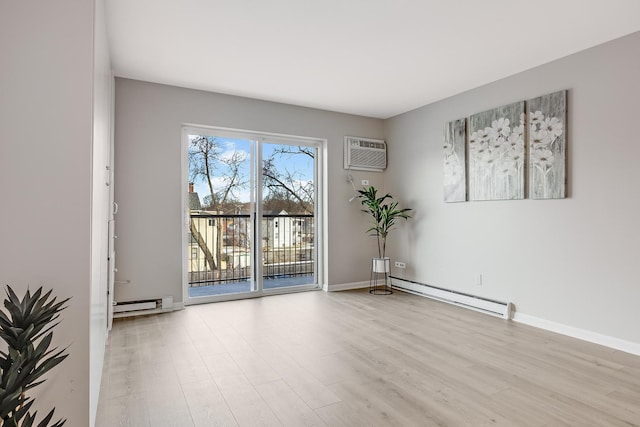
(582, 334)
(347, 286)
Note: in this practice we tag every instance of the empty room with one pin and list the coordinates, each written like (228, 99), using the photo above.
(356, 213)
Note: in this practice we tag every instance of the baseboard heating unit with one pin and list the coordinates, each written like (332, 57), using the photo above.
(472, 302)
(139, 308)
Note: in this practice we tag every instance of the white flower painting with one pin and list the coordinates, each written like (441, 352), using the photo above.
(547, 146)
(496, 153)
(455, 133)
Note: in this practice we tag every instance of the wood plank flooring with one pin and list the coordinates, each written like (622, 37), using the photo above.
(354, 359)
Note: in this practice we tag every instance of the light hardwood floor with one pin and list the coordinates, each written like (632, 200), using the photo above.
(354, 359)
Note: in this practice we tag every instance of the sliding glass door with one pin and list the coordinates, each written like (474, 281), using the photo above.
(251, 214)
(288, 215)
(220, 201)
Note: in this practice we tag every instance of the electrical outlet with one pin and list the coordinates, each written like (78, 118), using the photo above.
(400, 264)
(365, 182)
(479, 282)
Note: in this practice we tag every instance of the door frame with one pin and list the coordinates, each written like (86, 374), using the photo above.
(320, 212)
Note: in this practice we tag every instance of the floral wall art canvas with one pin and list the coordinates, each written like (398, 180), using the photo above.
(496, 153)
(455, 136)
(547, 146)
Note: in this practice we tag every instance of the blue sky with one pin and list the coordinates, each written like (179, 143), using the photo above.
(302, 164)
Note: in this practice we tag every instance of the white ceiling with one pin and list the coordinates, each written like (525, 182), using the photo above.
(374, 58)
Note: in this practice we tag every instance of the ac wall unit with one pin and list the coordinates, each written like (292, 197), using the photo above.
(365, 154)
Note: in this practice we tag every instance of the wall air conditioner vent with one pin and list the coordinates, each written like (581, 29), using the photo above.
(365, 154)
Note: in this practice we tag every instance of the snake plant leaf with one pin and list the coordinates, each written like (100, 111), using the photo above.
(27, 328)
(29, 419)
(13, 419)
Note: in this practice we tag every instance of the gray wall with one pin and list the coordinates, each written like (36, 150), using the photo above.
(49, 207)
(148, 179)
(569, 262)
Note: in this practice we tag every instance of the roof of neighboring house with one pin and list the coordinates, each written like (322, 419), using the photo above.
(194, 202)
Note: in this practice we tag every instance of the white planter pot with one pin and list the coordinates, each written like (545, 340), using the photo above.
(381, 265)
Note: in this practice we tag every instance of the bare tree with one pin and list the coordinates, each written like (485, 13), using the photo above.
(295, 150)
(207, 161)
(286, 185)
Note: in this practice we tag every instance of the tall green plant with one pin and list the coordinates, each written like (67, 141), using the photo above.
(383, 212)
(26, 327)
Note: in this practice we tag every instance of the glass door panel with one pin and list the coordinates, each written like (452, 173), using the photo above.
(288, 212)
(220, 216)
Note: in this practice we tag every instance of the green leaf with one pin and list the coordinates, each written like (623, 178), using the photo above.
(383, 215)
(27, 328)
(45, 420)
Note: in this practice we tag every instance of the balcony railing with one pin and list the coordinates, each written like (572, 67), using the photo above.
(220, 247)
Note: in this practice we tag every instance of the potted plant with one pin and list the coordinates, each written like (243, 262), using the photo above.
(26, 328)
(384, 213)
